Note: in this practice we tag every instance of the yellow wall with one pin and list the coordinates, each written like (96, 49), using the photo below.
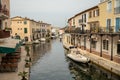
(17, 25)
(104, 14)
(31, 25)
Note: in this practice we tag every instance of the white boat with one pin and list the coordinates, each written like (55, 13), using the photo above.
(77, 56)
(36, 42)
(43, 39)
(53, 37)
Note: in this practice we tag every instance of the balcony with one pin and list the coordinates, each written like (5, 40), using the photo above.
(4, 13)
(4, 34)
(117, 10)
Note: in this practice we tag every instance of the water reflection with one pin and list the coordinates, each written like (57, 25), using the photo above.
(39, 50)
(51, 63)
(90, 72)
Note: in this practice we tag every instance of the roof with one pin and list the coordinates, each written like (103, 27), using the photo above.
(83, 12)
(86, 10)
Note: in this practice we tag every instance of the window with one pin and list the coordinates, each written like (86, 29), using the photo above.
(105, 44)
(25, 30)
(90, 14)
(117, 6)
(80, 20)
(109, 6)
(93, 44)
(117, 3)
(94, 13)
(25, 22)
(97, 12)
(108, 27)
(84, 17)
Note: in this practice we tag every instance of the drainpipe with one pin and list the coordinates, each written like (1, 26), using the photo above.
(90, 43)
(111, 47)
(85, 42)
(101, 46)
(80, 41)
(74, 39)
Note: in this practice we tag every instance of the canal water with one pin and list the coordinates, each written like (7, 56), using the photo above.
(50, 63)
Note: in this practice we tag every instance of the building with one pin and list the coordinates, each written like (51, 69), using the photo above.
(55, 31)
(45, 30)
(29, 29)
(4, 22)
(4, 14)
(93, 19)
(102, 37)
(7, 44)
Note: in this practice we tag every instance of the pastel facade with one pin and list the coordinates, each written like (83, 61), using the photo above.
(4, 14)
(29, 29)
(4, 19)
(110, 15)
(45, 30)
(93, 19)
(103, 25)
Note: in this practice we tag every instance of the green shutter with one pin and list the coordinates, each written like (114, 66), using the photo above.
(25, 30)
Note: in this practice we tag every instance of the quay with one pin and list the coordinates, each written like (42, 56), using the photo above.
(106, 64)
(21, 68)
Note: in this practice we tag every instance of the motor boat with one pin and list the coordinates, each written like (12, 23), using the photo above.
(42, 39)
(77, 56)
(36, 42)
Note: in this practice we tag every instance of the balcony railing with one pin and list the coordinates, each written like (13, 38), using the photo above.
(4, 34)
(99, 30)
(117, 10)
(4, 10)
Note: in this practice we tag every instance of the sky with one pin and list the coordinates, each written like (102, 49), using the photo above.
(55, 12)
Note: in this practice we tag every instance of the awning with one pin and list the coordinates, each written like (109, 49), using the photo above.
(9, 45)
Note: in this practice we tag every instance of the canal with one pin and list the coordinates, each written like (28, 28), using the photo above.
(50, 63)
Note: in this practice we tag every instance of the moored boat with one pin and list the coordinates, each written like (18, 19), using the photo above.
(42, 39)
(77, 56)
(36, 42)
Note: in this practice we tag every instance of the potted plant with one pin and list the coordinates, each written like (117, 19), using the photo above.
(23, 75)
(27, 64)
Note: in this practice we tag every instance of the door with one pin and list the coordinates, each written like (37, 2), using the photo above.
(0, 24)
(118, 49)
(117, 24)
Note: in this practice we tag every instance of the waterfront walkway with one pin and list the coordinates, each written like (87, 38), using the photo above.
(21, 67)
(107, 64)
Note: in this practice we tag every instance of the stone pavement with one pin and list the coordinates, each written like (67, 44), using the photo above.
(107, 64)
(21, 67)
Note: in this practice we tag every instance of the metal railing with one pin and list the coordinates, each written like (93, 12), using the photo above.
(98, 30)
(4, 34)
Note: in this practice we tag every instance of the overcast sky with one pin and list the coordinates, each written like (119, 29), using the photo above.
(55, 12)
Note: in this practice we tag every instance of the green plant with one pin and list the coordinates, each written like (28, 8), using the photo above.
(23, 75)
(27, 64)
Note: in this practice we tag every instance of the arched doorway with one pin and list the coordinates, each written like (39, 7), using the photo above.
(26, 39)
